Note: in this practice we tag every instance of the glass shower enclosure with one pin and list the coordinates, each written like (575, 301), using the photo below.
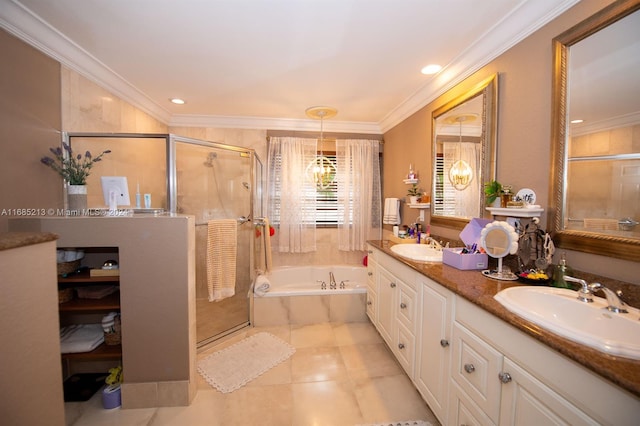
(207, 180)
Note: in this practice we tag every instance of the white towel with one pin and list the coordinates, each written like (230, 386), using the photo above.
(391, 211)
(261, 286)
(80, 338)
(222, 245)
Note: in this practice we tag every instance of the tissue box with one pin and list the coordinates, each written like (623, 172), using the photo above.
(454, 257)
(470, 235)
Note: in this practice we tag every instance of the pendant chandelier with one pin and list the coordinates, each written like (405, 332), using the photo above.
(321, 171)
(461, 173)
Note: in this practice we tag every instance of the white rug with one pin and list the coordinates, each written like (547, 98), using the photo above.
(405, 423)
(233, 367)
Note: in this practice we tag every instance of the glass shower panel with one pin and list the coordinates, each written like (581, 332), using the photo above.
(141, 159)
(215, 182)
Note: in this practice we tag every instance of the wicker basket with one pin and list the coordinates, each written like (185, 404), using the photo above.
(65, 294)
(114, 337)
(68, 267)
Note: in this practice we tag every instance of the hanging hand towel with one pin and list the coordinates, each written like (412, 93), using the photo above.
(391, 211)
(222, 245)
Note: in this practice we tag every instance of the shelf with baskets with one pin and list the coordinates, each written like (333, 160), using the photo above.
(87, 299)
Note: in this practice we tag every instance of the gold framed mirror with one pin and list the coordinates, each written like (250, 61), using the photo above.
(595, 165)
(464, 154)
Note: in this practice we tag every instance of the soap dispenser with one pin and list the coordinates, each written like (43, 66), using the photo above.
(560, 271)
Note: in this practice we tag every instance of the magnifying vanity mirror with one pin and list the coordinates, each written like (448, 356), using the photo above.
(595, 201)
(464, 151)
(499, 239)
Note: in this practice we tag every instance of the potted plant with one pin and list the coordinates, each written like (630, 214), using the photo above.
(414, 194)
(74, 169)
(492, 192)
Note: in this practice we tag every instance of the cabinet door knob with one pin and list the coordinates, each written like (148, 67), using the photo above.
(369, 302)
(370, 273)
(401, 345)
(469, 368)
(403, 305)
(504, 377)
(392, 285)
(444, 343)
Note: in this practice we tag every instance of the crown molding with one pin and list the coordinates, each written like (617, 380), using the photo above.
(522, 22)
(22, 23)
(238, 122)
(611, 123)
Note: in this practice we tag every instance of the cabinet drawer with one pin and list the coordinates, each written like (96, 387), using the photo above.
(399, 270)
(404, 349)
(371, 305)
(371, 274)
(475, 367)
(407, 307)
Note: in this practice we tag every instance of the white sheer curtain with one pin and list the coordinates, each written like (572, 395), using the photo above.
(358, 183)
(291, 196)
(467, 200)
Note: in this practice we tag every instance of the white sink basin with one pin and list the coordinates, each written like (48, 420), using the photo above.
(591, 324)
(419, 252)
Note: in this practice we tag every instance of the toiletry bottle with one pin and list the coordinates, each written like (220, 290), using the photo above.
(138, 195)
(412, 174)
(559, 273)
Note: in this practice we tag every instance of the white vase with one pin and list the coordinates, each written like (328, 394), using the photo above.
(77, 198)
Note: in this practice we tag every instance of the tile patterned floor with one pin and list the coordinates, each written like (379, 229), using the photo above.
(341, 375)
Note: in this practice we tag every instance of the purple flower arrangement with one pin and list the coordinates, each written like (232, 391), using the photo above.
(73, 168)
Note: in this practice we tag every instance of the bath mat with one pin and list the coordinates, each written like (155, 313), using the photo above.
(233, 367)
(405, 423)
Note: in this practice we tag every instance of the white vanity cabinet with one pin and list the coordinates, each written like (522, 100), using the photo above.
(504, 377)
(473, 368)
(433, 345)
(396, 298)
(372, 283)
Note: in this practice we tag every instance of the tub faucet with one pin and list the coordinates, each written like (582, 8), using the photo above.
(332, 280)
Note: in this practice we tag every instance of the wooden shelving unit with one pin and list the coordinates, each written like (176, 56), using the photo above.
(80, 306)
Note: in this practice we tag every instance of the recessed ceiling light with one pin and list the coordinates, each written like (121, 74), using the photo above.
(431, 69)
(577, 121)
(177, 101)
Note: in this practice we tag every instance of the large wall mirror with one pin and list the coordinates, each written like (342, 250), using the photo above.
(595, 205)
(464, 152)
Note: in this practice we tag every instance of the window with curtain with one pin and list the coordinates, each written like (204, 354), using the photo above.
(355, 190)
(291, 197)
(359, 194)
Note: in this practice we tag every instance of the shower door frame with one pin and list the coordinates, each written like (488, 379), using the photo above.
(171, 187)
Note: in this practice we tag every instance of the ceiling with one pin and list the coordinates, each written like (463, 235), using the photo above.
(261, 63)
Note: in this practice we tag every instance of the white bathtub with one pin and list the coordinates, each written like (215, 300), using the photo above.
(307, 280)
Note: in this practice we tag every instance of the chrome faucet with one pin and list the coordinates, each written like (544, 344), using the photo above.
(615, 303)
(332, 281)
(585, 294)
(434, 244)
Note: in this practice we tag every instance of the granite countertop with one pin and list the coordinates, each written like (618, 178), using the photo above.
(480, 290)
(11, 240)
